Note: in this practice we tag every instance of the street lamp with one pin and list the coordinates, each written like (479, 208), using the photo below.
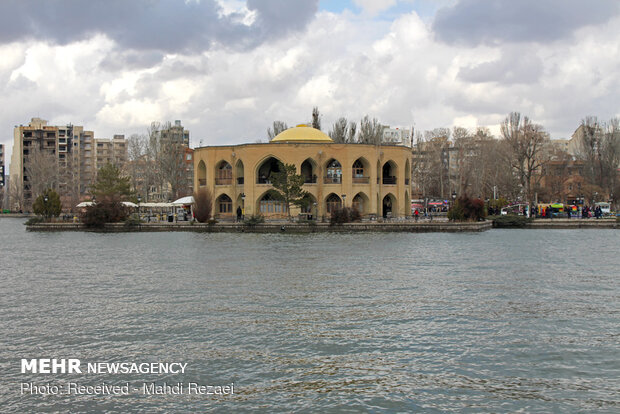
(316, 210)
(45, 199)
(344, 196)
(139, 199)
(243, 206)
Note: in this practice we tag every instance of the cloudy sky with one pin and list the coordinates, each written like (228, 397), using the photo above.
(228, 68)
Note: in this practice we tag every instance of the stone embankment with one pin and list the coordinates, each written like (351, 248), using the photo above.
(565, 223)
(409, 227)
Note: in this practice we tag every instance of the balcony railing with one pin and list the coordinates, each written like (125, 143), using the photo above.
(361, 180)
(389, 180)
(310, 180)
(263, 180)
(202, 182)
(223, 181)
(332, 180)
(240, 180)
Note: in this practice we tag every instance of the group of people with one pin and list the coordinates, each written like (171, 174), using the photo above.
(550, 212)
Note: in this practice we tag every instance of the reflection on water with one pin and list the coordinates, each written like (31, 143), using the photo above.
(502, 321)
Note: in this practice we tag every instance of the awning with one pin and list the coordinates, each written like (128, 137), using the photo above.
(156, 205)
(183, 201)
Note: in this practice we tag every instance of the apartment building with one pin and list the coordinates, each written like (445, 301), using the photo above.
(63, 157)
(2, 182)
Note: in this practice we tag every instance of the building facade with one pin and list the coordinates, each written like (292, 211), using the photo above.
(2, 182)
(374, 179)
(73, 156)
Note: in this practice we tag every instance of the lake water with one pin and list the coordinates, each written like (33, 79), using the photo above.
(500, 321)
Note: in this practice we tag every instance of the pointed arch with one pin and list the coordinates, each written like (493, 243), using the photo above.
(361, 203)
(332, 202)
(389, 206)
(309, 204)
(333, 171)
(407, 172)
(266, 167)
(361, 171)
(389, 172)
(202, 174)
(223, 204)
(309, 171)
(239, 171)
(223, 173)
(407, 202)
(271, 205)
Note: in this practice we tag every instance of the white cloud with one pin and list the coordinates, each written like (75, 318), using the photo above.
(346, 64)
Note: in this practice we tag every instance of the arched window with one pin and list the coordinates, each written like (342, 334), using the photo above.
(269, 166)
(272, 203)
(202, 174)
(240, 172)
(389, 173)
(224, 174)
(334, 172)
(358, 203)
(224, 204)
(308, 171)
(359, 173)
(333, 202)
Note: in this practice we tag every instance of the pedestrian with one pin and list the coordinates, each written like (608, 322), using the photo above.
(416, 214)
(239, 213)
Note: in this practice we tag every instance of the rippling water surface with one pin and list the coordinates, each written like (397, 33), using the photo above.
(502, 321)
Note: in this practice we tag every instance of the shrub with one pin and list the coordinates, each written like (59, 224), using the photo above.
(133, 221)
(254, 220)
(106, 211)
(34, 220)
(467, 209)
(203, 206)
(49, 208)
(345, 215)
(510, 220)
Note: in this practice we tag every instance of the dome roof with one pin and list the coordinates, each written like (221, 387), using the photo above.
(302, 133)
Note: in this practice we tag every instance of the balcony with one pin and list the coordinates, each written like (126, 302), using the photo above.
(389, 180)
(240, 180)
(406, 181)
(310, 180)
(332, 180)
(263, 180)
(223, 181)
(361, 180)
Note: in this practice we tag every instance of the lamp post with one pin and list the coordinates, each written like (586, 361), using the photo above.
(139, 199)
(45, 199)
(243, 206)
(316, 211)
(453, 197)
(344, 196)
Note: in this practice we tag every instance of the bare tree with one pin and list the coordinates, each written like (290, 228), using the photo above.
(371, 131)
(525, 143)
(316, 118)
(343, 131)
(278, 126)
(42, 172)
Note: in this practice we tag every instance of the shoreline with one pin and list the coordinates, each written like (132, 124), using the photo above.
(282, 227)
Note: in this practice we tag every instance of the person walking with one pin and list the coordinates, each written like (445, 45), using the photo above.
(239, 213)
(416, 214)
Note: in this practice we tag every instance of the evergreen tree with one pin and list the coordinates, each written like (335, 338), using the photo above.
(289, 184)
(47, 204)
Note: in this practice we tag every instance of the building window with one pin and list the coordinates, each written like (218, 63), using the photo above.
(271, 204)
(334, 172)
(333, 203)
(225, 204)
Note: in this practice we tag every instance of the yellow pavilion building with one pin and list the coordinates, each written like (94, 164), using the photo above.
(374, 179)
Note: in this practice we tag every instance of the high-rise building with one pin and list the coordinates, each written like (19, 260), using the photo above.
(2, 183)
(62, 157)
